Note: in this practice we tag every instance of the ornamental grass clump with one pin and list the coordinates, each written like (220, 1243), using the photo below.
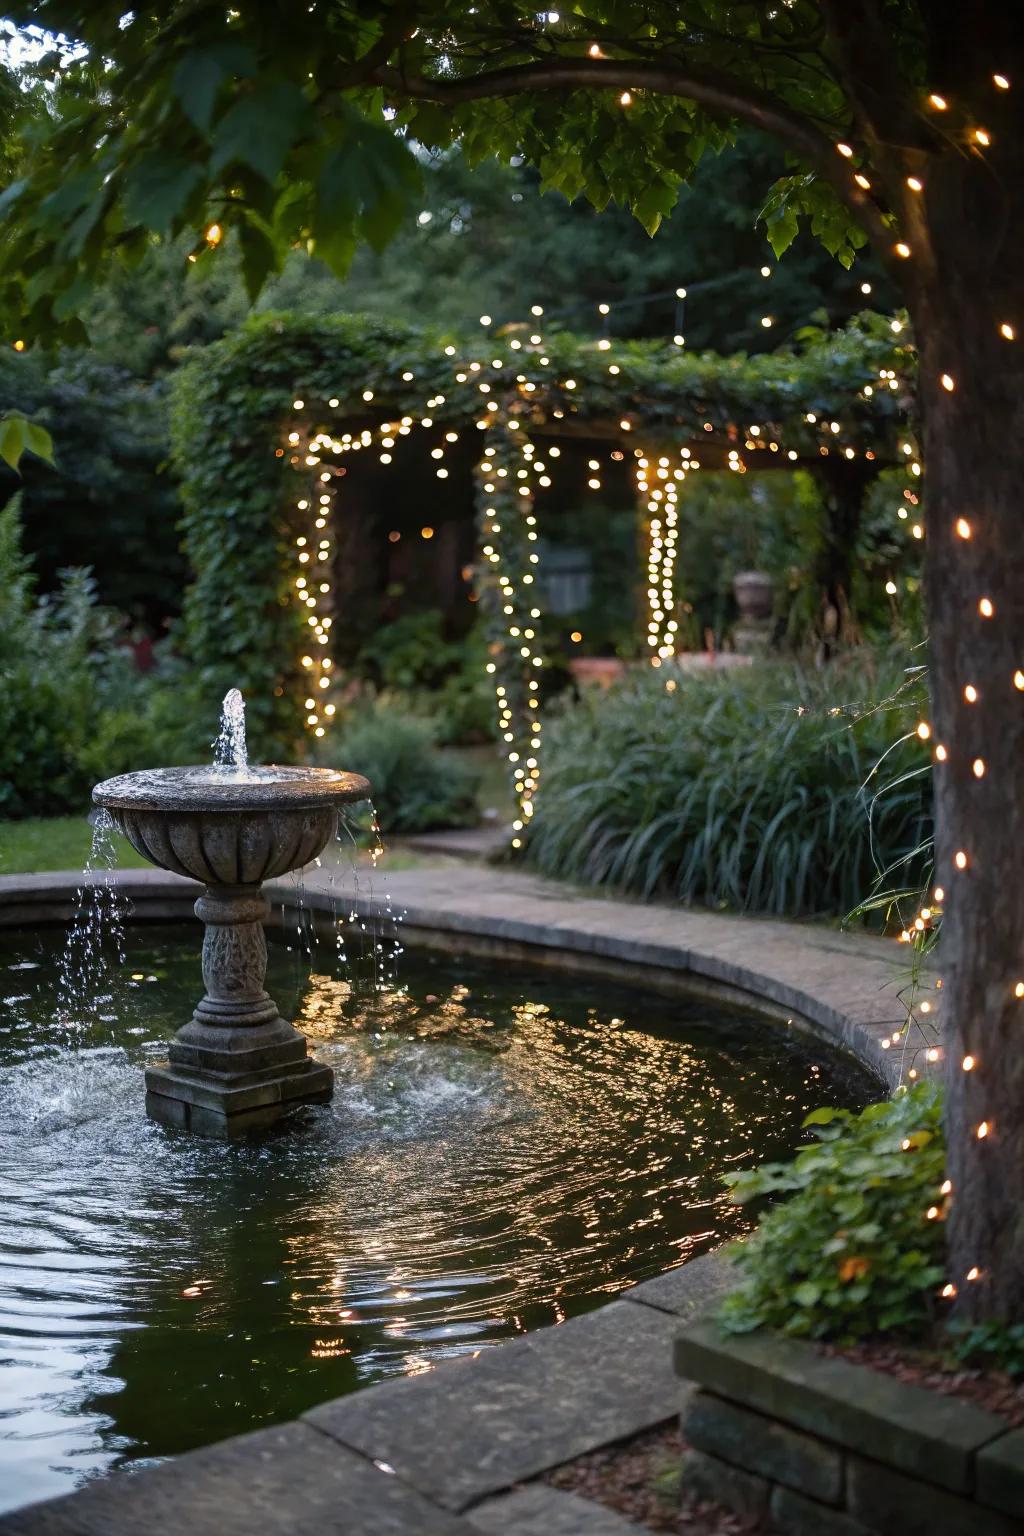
(855, 1247)
(765, 789)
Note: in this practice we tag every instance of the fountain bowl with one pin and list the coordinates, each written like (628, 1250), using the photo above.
(226, 826)
(236, 1066)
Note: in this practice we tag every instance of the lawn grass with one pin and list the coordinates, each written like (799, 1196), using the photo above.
(54, 842)
(63, 842)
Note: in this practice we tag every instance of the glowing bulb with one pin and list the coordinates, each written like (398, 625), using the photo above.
(963, 528)
(986, 607)
(1006, 331)
(214, 235)
(902, 249)
(978, 767)
(625, 100)
(862, 181)
(983, 1130)
(1001, 82)
(924, 730)
(982, 136)
(968, 1063)
(960, 859)
(915, 184)
(426, 533)
(948, 383)
(938, 102)
(970, 693)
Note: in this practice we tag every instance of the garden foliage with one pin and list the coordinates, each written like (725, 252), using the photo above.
(415, 785)
(234, 400)
(73, 708)
(750, 789)
(851, 1250)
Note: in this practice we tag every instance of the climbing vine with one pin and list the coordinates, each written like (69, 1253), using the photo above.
(263, 420)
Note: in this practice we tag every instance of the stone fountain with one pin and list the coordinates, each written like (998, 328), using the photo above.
(236, 1066)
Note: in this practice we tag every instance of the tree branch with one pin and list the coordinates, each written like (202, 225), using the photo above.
(710, 88)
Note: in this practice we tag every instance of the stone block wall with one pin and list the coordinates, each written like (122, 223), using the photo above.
(817, 1446)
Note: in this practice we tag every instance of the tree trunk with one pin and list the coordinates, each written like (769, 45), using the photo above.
(974, 461)
(843, 485)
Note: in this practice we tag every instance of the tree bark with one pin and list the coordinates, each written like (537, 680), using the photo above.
(843, 485)
(974, 464)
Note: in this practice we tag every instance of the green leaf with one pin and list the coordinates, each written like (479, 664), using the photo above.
(157, 188)
(39, 441)
(9, 196)
(259, 257)
(12, 439)
(201, 73)
(806, 1294)
(821, 1116)
(261, 127)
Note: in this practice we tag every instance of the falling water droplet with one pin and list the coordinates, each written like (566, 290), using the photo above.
(95, 946)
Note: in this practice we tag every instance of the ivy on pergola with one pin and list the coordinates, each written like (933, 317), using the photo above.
(264, 420)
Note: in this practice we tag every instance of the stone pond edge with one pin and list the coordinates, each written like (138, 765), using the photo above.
(423, 1454)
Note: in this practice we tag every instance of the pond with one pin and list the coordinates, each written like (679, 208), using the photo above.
(506, 1147)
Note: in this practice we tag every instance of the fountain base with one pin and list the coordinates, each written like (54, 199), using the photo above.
(226, 1082)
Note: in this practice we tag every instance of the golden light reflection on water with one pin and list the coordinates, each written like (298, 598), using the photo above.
(504, 1149)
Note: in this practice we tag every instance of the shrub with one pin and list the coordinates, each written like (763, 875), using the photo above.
(753, 789)
(853, 1251)
(415, 785)
(73, 709)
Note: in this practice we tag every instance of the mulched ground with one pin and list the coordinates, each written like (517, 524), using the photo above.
(994, 1391)
(640, 1479)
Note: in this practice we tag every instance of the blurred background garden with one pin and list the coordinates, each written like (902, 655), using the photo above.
(769, 762)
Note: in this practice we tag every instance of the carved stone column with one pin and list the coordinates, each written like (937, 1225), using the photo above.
(237, 1065)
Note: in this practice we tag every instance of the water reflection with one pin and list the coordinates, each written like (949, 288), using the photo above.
(502, 1152)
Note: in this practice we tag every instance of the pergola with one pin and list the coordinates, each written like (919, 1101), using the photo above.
(266, 420)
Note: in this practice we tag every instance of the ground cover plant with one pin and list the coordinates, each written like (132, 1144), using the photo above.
(750, 790)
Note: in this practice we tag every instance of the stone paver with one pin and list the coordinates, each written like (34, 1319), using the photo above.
(542, 1511)
(516, 1410)
(687, 1291)
(278, 1482)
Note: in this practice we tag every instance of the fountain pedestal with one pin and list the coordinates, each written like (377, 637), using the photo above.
(237, 1066)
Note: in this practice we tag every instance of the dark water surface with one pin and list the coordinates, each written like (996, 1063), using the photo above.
(506, 1147)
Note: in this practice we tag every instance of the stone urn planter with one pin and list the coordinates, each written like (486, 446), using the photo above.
(236, 1065)
(755, 595)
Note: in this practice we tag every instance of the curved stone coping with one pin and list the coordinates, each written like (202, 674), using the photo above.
(458, 1450)
(843, 988)
(451, 1452)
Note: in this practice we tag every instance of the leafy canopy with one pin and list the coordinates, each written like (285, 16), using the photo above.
(300, 126)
